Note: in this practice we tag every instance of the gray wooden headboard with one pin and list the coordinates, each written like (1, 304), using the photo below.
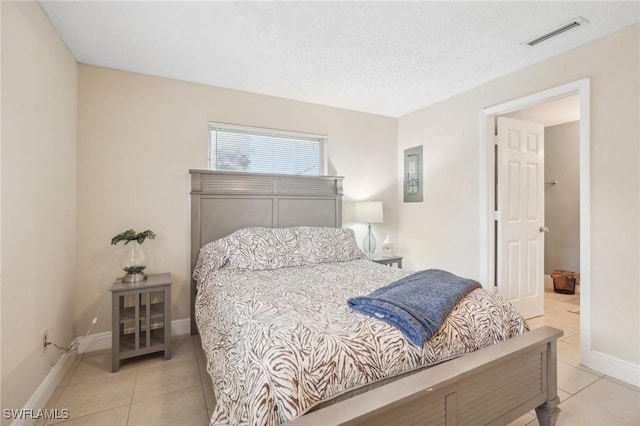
(223, 202)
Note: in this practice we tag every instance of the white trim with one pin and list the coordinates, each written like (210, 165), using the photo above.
(181, 327)
(46, 389)
(101, 341)
(539, 97)
(94, 342)
(322, 140)
(487, 120)
(486, 181)
(585, 221)
(613, 367)
(265, 130)
(90, 343)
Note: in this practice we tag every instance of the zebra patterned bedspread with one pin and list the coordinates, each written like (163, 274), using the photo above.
(279, 341)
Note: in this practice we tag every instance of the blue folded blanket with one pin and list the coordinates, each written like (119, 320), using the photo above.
(417, 304)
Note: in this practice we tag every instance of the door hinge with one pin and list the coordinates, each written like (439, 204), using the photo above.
(496, 215)
(495, 140)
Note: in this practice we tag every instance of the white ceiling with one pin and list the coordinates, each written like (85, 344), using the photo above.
(388, 58)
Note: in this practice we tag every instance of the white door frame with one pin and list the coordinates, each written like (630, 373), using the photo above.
(487, 185)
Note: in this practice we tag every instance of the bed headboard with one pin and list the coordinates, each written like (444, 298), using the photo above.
(223, 202)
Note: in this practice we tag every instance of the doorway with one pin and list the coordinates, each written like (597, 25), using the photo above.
(559, 194)
(489, 239)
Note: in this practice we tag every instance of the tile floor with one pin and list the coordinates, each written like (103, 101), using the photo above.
(146, 391)
(586, 397)
(151, 391)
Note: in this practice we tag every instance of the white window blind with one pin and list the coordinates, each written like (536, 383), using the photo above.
(259, 150)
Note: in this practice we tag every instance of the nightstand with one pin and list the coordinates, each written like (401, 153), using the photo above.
(141, 320)
(389, 260)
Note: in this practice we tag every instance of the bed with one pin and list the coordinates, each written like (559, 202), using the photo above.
(286, 348)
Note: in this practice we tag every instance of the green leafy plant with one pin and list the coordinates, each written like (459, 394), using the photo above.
(134, 269)
(131, 235)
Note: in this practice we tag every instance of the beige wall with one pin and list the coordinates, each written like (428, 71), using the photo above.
(1, 406)
(139, 135)
(39, 98)
(562, 201)
(444, 230)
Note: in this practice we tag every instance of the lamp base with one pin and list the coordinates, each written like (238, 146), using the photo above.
(369, 243)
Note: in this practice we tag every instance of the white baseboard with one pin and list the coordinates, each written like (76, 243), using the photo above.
(46, 389)
(617, 368)
(100, 341)
(93, 342)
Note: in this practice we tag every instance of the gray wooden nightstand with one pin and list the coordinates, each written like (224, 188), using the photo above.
(389, 260)
(141, 319)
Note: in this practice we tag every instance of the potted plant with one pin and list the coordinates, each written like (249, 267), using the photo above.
(135, 258)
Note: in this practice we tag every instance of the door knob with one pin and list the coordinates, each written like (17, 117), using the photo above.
(544, 229)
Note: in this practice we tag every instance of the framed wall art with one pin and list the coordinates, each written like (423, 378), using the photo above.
(413, 174)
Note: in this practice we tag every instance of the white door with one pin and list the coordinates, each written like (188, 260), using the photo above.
(520, 204)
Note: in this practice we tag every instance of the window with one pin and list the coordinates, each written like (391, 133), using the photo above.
(259, 150)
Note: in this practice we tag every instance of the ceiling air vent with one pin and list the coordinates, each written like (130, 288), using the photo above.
(575, 23)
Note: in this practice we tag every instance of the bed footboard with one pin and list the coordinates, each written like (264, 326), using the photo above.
(492, 386)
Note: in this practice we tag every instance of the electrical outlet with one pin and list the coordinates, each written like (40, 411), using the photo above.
(45, 340)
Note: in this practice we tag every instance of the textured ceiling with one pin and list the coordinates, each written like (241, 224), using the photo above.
(388, 58)
(552, 113)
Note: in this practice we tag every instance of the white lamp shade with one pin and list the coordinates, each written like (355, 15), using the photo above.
(368, 212)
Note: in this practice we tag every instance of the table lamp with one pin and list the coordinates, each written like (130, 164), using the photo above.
(369, 212)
